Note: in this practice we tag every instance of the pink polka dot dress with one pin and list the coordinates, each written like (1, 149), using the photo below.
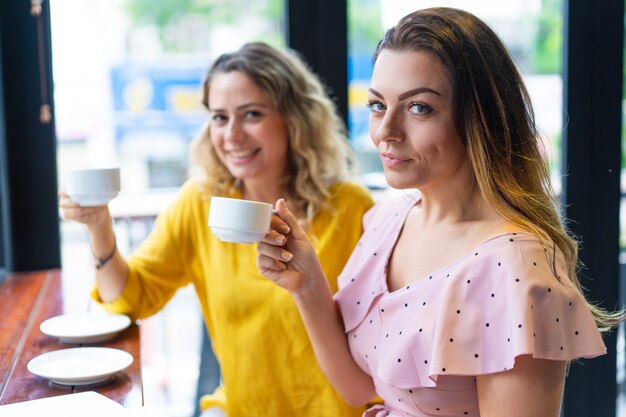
(424, 344)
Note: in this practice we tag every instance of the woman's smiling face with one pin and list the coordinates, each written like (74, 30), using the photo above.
(248, 134)
(412, 123)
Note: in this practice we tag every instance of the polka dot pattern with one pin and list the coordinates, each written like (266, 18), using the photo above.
(471, 318)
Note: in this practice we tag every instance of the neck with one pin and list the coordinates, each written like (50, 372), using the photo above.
(264, 192)
(456, 201)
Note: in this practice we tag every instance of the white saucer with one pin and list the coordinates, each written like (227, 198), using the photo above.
(85, 327)
(80, 366)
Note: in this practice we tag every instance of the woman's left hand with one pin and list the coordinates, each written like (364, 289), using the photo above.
(289, 259)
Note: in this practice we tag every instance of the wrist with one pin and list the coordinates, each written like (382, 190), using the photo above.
(102, 261)
(101, 230)
(313, 293)
(101, 222)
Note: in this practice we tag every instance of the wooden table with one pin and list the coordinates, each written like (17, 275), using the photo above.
(27, 299)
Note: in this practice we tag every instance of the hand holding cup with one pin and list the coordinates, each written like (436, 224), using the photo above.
(289, 259)
(86, 193)
(92, 187)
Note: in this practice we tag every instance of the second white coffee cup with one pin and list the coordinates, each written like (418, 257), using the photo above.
(92, 186)
(239, 221)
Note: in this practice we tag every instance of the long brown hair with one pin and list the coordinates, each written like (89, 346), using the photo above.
(319, 154)
(493, 116)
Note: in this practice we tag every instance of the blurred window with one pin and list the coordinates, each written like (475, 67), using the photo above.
(127, 77)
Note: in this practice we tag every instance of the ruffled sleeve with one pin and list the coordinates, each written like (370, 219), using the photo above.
(500, 302)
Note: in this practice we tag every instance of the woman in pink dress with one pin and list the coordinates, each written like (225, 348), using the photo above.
(461, 298)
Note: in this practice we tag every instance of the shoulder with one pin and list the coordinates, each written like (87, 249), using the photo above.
(191, 201)
(192, 194)
(193, 188)
(516, 275)
(350, 193)
(344, 207)
(176, 226)
(347, 199)
(520, 255)
(395, 206)
(517, 290)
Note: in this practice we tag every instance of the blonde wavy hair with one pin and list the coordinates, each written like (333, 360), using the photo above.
(493, 115)
(319, 154)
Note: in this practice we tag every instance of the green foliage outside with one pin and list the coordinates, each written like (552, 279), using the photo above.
(364, 26)
(548, 50)
(546, 58)
(162, 14)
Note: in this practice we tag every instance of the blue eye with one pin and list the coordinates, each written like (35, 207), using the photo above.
(419, 108)
(375, 106)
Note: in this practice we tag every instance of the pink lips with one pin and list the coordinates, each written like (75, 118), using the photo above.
(391, 160)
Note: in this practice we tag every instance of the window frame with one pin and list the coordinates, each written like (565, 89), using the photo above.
(593, 49)
(30, 220)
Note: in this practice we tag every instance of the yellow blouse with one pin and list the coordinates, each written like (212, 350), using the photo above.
(267, 363)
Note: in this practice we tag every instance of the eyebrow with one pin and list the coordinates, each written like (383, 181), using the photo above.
(407, 94)
(243, 106)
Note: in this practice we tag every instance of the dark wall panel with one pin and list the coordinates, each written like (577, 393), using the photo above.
(29, 144)
(5, 256)
(592, 147)
(318, 30)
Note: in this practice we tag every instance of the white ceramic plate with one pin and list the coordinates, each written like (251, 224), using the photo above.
(85, 327)
(80, 366)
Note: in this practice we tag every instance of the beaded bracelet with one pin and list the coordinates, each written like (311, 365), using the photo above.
(103, 261)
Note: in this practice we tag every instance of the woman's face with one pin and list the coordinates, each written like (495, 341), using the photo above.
(411, 121)
(249, 135)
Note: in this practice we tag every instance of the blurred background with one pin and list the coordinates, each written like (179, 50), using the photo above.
(127, 83)
(127, 73)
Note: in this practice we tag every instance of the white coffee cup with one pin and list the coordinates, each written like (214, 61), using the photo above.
(92, 186)
(239, 221)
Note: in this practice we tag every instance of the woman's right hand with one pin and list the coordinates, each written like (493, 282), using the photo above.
(90, 216)
(289, 259)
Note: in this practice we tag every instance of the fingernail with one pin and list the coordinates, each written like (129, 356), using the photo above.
(286, 255)
(280, 240)
(285, 229)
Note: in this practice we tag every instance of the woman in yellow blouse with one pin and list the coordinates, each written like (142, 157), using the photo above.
(272, 133)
